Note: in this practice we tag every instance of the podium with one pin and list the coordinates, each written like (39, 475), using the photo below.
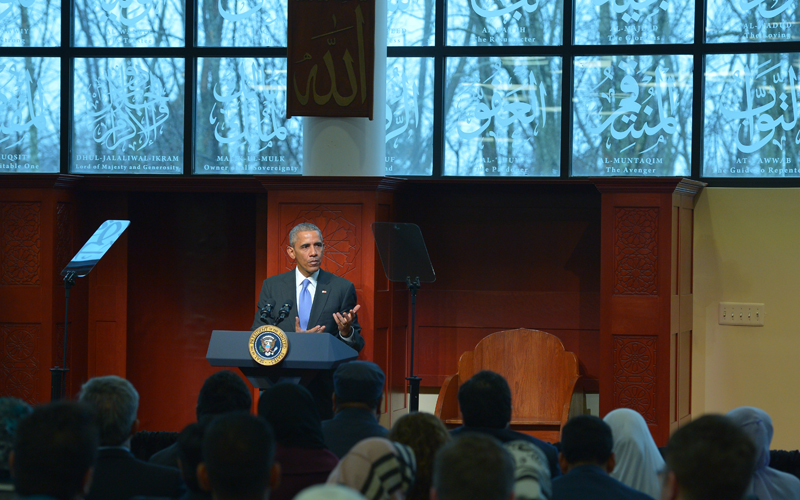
(308, 354)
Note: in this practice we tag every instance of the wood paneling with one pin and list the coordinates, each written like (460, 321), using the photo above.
(505, 257)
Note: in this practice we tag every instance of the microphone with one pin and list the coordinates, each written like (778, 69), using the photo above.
(266, 311)
(284, 311)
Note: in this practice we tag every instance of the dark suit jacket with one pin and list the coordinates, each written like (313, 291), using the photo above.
(348, 427)
(590, 482)
(506, 435)
(118, 475)
(168, 457)
(333, 294)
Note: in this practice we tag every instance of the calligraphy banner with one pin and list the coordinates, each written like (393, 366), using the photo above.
(632, 115)
(751, 115)
(331, 58)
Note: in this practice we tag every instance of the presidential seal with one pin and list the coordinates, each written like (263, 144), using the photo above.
(268, 345)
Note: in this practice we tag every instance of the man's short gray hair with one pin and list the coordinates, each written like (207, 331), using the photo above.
(303, 226)
(115, 402)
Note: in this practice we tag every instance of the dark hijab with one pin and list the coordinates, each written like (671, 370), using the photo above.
(292, 412)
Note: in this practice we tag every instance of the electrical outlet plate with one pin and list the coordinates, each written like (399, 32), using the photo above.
(741, 314)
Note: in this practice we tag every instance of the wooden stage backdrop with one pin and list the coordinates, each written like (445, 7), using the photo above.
(540, 255)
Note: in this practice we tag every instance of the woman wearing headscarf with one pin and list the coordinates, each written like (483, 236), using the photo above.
(767, 483)
(638, 460)
(377, 468)
(300, 449)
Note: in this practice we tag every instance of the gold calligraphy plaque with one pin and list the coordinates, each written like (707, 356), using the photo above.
(331, 58)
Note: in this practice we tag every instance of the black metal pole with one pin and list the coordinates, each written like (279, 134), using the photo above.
(58, 375)
(414, 381)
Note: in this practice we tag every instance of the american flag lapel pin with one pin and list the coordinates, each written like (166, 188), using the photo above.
(324, 291)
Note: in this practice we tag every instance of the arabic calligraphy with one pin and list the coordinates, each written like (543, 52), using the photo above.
(769, 98)
(336, 63)
(402, 109)
(129, 107)
(639, 116)
(247, 117)
(523, 102)
(22, 109)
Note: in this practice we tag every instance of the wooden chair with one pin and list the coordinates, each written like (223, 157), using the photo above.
(541, 374)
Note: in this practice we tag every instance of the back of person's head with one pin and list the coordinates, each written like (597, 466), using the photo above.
(358, 382)
(586, 439)
(115, 403)
(238, 457)
(485, 400)
(190, 454)
(12, 410)
(473, 466)
(710, 458)
(54, 448)
(425, 434)
(223, 392)
(291, 411)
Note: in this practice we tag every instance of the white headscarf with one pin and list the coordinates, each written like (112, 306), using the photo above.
(767, 483)
(638, 460)
(329, 492)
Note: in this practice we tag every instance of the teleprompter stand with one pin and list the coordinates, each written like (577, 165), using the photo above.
(80, 265)
(405, 260)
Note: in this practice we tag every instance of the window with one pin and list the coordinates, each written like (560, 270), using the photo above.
(508, 88)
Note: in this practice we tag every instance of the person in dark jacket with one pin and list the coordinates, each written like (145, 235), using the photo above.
(587, 459)
(485, 403)
(358, 387)
(118, 475)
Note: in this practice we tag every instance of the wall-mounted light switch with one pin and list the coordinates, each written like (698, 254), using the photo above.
(741, 314)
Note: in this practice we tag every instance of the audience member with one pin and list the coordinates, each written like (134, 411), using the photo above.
(710, 458)
(587, 459)
(767, 483)
(378, 468)
(358, 387)
(301, 451)
(222, 392)
(473, 466)
(54, 449)
(638, 460)
(190, 455)
(329, 492)
(424, 433)
(118, 475)
(238, 458)
(11, 411)
(531, 471)
(485, 403)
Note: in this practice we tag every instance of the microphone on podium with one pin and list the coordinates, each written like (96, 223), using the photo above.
(284, 311)
(266, 311)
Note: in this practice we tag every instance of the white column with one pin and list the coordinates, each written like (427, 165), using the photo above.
(352, 146)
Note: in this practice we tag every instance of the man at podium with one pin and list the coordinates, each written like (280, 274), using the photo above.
(319, 301)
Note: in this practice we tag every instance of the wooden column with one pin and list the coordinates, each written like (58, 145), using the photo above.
(344, 210)
(38, 232)
(646, 299)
